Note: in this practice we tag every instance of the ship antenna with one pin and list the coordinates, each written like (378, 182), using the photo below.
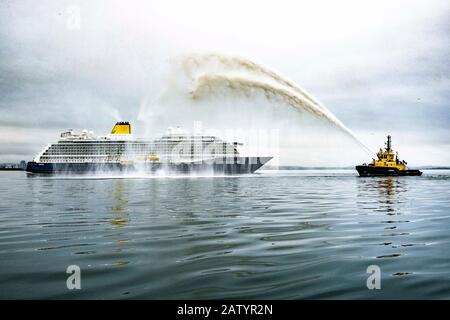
(388, 143)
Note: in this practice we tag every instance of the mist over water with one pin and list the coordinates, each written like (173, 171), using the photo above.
(238, 99)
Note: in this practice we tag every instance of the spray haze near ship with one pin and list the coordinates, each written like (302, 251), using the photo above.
(237, 99)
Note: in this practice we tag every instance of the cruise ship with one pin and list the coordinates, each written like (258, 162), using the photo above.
(174, 152)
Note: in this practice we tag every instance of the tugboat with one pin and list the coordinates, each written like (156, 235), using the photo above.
(387, 164)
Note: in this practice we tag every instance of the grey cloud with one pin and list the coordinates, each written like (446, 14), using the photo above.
(57, 78)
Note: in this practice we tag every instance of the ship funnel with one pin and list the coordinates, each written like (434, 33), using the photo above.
(121, 128)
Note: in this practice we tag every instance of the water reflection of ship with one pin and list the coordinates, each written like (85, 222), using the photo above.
(391, 188)
(120, 218)
(387, 193)
(119, 208)
(386, 190)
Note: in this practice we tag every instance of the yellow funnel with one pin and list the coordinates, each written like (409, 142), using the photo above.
(121, 128)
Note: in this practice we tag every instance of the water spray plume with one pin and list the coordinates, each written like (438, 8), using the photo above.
(215, 73)
(252, 67)
(210, 83)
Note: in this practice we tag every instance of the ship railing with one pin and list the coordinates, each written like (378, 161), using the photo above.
(38, 157)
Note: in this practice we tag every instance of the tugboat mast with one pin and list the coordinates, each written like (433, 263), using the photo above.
(388, 143)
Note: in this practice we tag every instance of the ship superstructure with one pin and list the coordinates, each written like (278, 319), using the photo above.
(119, 150)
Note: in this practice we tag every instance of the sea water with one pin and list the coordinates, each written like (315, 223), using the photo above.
(270, 235)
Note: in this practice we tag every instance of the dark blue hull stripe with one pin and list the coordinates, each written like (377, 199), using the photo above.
(246, 165)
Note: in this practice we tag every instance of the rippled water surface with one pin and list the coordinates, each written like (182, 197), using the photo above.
(272, 235)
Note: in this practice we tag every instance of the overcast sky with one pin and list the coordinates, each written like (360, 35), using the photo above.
(380, 66)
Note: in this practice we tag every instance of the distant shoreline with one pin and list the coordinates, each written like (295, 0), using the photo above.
(345, 168)
(296, 168)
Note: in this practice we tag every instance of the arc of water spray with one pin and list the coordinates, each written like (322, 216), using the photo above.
(207, 83)
(280, 87)
(254, 68)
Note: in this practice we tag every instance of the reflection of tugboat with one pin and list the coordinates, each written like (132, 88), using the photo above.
(387, 164)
